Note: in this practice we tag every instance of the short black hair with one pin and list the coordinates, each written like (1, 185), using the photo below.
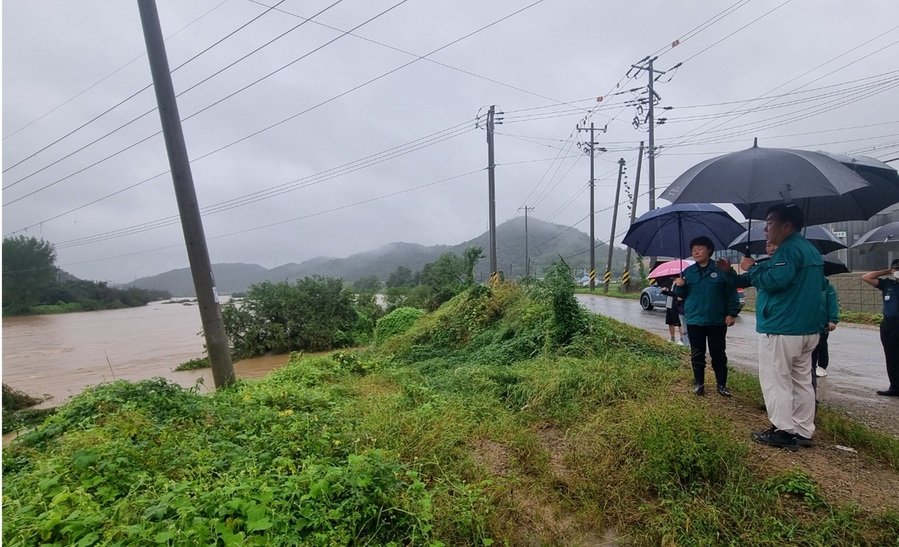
(788, 213)
(705, 242)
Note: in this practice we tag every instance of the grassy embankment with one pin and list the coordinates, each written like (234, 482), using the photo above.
(499, 419)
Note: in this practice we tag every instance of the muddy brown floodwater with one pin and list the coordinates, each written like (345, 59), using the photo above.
(57, 356)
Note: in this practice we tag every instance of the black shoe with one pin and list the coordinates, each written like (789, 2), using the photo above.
(723, 391)
(699, 389)
(804, 441)
(889, 392)
(776, 438)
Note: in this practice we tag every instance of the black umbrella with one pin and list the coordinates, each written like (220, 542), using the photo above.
(755, 178)
(667, 231)
(882, 238)
(860, 204)
(823, 239)
(832, 265)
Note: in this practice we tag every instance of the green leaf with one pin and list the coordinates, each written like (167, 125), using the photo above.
(89, 539)
(84, 458)
(163, 537)
(256, 525)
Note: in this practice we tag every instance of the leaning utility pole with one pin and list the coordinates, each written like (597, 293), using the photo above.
(191, 223)
(527, 261)
(626, 278)
(492, 193)
(608, 276)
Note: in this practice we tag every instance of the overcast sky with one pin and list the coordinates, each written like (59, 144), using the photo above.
(358, 128)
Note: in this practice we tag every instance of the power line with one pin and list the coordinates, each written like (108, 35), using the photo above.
(687, 136)
(285, 120)
(135, 94)
(110, 75)
(191, 115)
(425, 58)
(294, 219)
(349, 167)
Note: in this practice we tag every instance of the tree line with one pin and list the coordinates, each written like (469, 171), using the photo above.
(32, 283)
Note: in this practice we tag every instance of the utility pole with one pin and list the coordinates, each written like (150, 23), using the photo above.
(527, 262)
(608, 276)
(653, 97)
(626, 278)
(589, 148)
(191, 223)
(491, 180)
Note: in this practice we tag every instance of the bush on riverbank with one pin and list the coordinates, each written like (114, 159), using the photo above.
(313, 314)
(504, 417)
(17, 411)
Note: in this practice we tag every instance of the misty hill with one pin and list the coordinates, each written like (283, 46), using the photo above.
(545, 242)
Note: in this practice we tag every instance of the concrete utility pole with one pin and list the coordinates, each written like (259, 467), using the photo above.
(608, 276)
(626, 278)
(191, 223)
(527, 261)
(492, 193)
(590, 150)
(653, 97)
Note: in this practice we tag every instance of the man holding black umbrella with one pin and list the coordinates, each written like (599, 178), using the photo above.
(788, 314)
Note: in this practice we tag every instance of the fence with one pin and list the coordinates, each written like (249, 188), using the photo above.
(853, 293)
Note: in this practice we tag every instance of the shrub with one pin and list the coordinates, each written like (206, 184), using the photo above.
(314, 314)
(396, 322)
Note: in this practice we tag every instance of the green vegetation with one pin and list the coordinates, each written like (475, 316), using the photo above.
(32, 284)
(17, 411)
(313, 314)
(615, 291)
(194, 364)
(863, 318)
(506, 417)
(397, 322)
(436, 283)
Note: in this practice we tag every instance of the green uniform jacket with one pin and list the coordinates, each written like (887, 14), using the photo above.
(790, 289)
(831, 305)
(709, 295)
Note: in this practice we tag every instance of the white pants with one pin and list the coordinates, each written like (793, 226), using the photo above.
(785, 374)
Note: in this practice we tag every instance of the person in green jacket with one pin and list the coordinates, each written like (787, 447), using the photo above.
(788, 320)
(711, 305)
(820, 357)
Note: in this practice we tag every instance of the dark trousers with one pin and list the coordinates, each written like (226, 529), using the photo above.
(889, 337)
(820, 357)
(714, 336)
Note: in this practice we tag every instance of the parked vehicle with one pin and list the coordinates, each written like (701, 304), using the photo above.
(652, 296)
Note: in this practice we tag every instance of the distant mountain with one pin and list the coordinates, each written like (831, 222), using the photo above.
(229, 278)
(546, 242)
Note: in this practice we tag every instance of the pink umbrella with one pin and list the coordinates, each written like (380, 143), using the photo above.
(672, 267)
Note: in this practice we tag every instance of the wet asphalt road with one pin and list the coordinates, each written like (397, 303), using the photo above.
(855, 372)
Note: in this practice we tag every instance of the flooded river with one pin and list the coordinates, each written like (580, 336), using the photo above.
(57, 356)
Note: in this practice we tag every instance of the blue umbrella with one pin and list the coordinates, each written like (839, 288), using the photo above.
(667, 231)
